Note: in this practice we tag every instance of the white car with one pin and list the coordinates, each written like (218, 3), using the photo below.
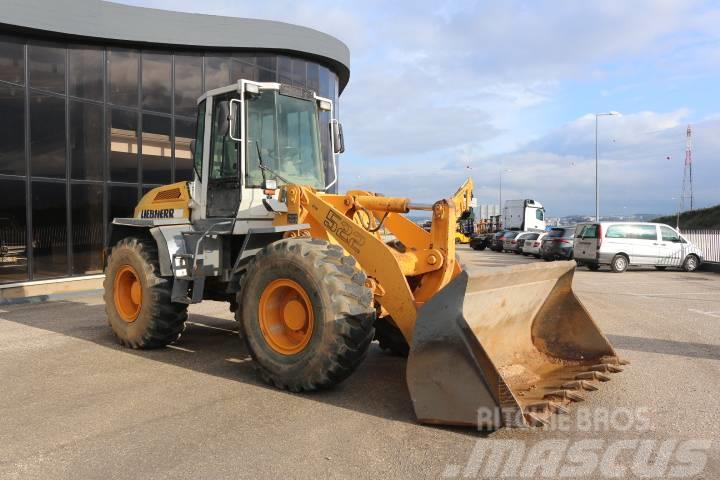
(621, 244)
(532, 246)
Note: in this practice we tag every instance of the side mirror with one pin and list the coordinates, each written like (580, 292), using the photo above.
(223, 114)
(192, 147)
(338, 137)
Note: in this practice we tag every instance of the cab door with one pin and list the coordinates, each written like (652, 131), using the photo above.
(223, 183)
(670, 248)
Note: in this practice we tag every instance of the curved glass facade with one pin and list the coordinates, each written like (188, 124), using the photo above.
(86, 129)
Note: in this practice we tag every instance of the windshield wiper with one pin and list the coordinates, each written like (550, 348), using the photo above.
(263, 168)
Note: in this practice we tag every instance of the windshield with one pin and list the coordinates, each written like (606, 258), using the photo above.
(283, 135)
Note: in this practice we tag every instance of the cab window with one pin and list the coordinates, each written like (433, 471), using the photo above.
(669, 235)
(199, 140)
(539, 215)
(224, 150)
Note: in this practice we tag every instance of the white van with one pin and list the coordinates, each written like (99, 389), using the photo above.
(621, 244)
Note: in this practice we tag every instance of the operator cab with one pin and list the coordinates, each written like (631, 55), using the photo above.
(253, 137)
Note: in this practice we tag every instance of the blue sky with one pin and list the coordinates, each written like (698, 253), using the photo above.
(443, 89)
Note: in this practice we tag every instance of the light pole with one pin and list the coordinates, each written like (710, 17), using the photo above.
(597, 184)
(502, 214)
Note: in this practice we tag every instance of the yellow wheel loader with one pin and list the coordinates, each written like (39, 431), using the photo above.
(312, 282)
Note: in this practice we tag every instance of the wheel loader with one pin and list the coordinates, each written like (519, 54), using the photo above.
(312, 282)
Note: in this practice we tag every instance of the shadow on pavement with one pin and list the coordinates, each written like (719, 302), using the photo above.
(212, 346)
(666, 347)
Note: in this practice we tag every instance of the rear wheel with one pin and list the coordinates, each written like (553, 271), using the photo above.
(138, 300)
(593, 266)
(619, 263)
(306, 314)
(660, 267)
(691, 263)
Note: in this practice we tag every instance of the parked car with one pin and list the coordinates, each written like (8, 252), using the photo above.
(621, 244)
(497, 241)
(531, 245)
(558, 244)
(509, 242)
(481, 241)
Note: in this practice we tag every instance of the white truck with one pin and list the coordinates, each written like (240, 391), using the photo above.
(524, 215)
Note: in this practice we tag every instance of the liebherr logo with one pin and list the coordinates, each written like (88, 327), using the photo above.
(342, 229)
(162, 213)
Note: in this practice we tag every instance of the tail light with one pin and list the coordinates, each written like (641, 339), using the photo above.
(536, 244)
(514, 242)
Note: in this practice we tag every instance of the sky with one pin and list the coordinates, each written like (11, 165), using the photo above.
(441, 90)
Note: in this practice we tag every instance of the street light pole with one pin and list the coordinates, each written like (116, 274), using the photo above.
(597, 183)
(500, 199)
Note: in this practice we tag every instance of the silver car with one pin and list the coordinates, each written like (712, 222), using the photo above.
(621, 244)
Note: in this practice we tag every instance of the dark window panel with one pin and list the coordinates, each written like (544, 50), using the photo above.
(46, 65)
(123, 77)
(243, 71)
(86, 140)
(49, 230)
(121, 201)
(325, 82)
(156, 81)
(12, 130)
(298, 74)
(266, 76)
(313, 77)
(217, 72)
(123, 146)
(156, 154)
(86, 72)
(13, 233)
(87, 228)
(12, 60)
(267, 61)
(248, 58)
(188, 83)
(284, 70)
(184, 133)
(47, 135)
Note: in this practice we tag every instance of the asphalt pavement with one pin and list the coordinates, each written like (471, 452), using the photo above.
(77, 405)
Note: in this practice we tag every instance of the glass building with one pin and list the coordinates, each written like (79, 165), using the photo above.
(90, 121)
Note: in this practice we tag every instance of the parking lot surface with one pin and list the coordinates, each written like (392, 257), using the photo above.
(77, 405)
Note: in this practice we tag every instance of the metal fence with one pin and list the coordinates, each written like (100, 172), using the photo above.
(708, 241)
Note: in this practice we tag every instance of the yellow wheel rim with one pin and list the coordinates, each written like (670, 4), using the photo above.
(127, 293)
(286, 316)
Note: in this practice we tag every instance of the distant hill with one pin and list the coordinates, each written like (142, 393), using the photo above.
(695, 219)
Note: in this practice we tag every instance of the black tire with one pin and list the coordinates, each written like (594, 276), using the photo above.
(593, 267)
(391, 338)
(660, 267)
(159, 321)
(537, 256)
(341, 305)
(548, 259)
(619, 263)
(691, 263)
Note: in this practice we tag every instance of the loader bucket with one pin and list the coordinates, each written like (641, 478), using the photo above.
(505, 348)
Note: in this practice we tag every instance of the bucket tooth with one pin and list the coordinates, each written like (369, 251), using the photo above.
(622, 361)
(565, 395)
(535, 420)
(580, 385)
(606, 367)
(614, 360)
(542, 406)
(592, 376)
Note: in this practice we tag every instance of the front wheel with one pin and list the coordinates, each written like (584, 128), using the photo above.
(691, 263)
(306, 314)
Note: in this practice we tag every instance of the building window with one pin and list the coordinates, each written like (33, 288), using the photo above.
(121, 201)
(123, 146)
(184, 134)
(86, 140)
(85, 72)
(46, 65)
(13, 232)
(12, 60)
(188, 83)
(87, 228)
(217, 72)
(156, 82)
(49, 228)
(123, 73)
(47, 135)
(156, 151)
(12, 130)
